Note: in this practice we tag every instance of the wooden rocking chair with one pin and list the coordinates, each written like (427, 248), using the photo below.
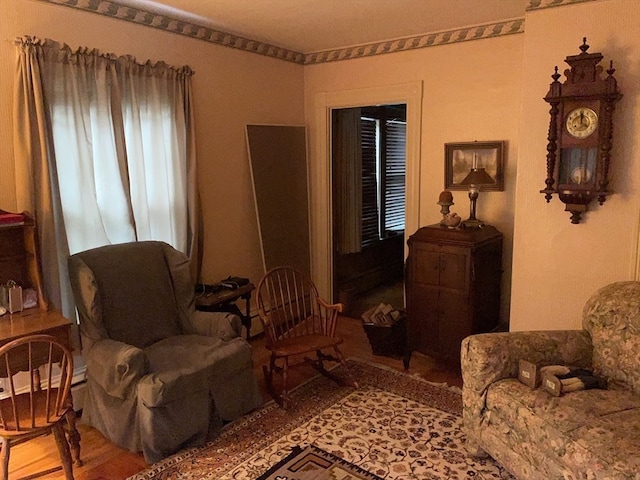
(296, 321)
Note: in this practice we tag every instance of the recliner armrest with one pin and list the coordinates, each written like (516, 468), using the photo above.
(222, 325)
(116, 366)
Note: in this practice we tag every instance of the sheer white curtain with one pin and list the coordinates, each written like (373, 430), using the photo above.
(104, 153)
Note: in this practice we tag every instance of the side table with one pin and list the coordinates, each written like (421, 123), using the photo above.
(225, 300)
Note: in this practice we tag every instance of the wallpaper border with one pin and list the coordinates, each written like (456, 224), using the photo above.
(112, 8)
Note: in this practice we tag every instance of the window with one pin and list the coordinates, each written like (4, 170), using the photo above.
(120, 146)
(383, 171)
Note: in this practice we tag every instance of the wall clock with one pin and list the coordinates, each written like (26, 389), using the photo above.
(580, 132)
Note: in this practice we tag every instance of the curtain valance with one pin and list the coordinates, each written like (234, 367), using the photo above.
(63, 53)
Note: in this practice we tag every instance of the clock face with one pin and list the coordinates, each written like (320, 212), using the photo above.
(581, 122)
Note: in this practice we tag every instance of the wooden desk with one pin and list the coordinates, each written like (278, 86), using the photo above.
(35, 321)
(225, 301)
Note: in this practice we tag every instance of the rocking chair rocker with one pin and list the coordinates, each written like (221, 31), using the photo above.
(297, 321)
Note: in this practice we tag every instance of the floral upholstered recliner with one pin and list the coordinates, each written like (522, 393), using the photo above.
(588, 434)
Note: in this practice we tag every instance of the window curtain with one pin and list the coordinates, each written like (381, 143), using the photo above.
(347, 177)
(105, 153)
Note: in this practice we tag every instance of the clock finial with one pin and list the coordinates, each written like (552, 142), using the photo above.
(584, 47)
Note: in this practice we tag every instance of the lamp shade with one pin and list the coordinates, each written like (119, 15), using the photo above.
(477, 176)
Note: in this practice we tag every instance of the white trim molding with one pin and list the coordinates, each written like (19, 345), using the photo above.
(320, 166)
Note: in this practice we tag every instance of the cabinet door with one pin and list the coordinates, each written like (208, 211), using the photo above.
(422, 326)
(453, 271)
(425, 266)
(454, 324)
(440, 266)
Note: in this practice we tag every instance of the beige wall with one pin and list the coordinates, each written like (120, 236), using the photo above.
(488, 89)
(470, 92)
(557, 265)
(492, 90)
(231, 88)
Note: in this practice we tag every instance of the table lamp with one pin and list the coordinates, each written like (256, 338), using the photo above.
(475, 179)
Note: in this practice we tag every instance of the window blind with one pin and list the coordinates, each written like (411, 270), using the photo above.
(383, 142)
(370, 215)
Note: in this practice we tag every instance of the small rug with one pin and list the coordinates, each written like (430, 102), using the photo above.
(313, 463)
(395, 426)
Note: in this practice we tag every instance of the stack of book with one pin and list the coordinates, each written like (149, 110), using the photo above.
(9, 219)
(381, 315)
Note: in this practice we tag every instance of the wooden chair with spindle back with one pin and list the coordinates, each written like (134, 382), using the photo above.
(42, 405)
(296, 322)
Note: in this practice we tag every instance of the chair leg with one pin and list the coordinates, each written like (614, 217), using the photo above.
(4, 455)
(268, 376)
(285, 379)
(63, 449)
(321, 356)
(346, 368)
(74, 436)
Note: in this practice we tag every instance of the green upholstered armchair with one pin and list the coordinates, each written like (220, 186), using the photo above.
(161, 376)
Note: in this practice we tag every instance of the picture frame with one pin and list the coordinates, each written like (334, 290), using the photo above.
(459, 158)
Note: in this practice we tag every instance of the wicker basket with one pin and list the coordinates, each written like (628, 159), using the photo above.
(388, 340)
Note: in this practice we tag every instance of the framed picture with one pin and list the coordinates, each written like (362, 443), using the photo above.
(460, 158)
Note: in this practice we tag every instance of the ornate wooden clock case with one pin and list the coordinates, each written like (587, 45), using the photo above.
(580, 132)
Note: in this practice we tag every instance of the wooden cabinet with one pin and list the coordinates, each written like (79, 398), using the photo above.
(19, 259)
(452, 282)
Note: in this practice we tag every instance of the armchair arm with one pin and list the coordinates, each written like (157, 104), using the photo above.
(116, 366)
(330, 306)
(489, 357)
(222, 325)
(329, 316)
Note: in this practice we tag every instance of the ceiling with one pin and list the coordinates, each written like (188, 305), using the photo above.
(307, 26)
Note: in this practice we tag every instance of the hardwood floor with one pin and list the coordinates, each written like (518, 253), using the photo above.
(105, 461)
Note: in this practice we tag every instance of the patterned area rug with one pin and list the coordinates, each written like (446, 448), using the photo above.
(313, 463)
(395, 426)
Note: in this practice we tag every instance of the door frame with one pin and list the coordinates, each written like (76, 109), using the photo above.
(321, 203)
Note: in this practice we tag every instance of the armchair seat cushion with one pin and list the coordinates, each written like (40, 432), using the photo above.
(568, 413)
(186, 364)
(304, 344)
(577, 429)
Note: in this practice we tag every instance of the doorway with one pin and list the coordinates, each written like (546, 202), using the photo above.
(369, 207)
(409, 93)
